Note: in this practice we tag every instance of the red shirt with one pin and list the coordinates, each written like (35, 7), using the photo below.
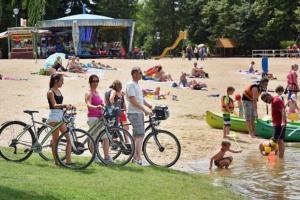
(277, 109)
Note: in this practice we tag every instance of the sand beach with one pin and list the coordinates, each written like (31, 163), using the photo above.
(187, 115)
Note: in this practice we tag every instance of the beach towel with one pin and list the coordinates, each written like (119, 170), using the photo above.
(9, 78)
(151, 71)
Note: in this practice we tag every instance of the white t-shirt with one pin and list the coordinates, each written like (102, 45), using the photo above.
(134, 90)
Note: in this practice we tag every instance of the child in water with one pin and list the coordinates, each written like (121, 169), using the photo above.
(267, 147)
(219, 159)
(238, 99)
(293, 108)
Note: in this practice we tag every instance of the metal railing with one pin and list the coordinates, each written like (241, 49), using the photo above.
(276, 53)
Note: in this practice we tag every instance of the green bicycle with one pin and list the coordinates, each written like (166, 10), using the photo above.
(19, 140)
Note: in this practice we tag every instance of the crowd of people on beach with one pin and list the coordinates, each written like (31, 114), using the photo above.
(138, 106)
(198, 52)
(247, 105)
(75, 66)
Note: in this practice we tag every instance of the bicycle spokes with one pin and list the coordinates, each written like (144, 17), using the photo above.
(117, 148)
(15, 141)
(75, 149)
(161, 148)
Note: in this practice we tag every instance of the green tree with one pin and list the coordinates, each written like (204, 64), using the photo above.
(36, 11)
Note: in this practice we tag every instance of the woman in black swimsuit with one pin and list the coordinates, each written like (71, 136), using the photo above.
(55, 100)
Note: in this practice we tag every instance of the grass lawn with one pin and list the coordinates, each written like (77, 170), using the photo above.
(36, 179)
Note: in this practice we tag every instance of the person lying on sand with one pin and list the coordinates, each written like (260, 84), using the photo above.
(108, 67)
(267, 147)
(198, 72)
(193, 84)
(219, 159)
(196, 85)
(160, 75)
(75, 66)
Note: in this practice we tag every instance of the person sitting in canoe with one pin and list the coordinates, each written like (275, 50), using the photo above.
(219, 159)
(278, 119)
(227, 108)
(267, 147)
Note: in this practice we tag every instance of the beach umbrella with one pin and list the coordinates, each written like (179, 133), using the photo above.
(52, 58)
(201, 45)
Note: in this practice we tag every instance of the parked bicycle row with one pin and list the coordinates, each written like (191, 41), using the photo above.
(107, 141)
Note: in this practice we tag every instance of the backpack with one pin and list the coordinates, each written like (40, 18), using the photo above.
(113, 110)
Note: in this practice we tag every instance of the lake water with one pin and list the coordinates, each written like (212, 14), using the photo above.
(259, 177)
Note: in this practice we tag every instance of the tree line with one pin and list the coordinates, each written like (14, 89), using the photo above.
(252, 24)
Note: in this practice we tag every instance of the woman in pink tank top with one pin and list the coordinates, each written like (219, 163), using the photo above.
(95, 106)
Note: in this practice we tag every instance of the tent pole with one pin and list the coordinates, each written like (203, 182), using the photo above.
(8, 40)
(131, 36)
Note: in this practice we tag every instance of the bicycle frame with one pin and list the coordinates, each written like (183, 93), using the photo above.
(151, 126)
(53, 129)
(96, 126)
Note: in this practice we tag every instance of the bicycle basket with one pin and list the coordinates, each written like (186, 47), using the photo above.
(161, 112)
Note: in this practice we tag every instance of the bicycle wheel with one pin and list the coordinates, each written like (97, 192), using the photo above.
(81, 150)
(46, 153)
(121, 148)
(161, 148)
(16, 141)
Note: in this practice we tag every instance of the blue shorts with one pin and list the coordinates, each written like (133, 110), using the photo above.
(55, 115)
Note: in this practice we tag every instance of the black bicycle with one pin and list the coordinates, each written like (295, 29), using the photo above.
(119, 141)
(160, 147)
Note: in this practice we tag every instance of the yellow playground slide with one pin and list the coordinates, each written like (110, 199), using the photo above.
(182, 36)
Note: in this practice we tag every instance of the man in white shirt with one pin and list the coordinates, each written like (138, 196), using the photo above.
(136, 110)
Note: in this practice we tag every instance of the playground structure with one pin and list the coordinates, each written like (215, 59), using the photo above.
(182, 36)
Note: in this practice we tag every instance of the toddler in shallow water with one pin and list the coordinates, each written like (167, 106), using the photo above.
(219, 159)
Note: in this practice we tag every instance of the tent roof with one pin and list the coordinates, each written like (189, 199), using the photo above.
(84, 16)
(86, 20)
(225, 43)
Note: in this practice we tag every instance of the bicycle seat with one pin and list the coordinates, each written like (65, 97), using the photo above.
(30, 112)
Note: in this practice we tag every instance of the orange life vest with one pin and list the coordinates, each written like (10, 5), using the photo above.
(230, 105)
(248, 91)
